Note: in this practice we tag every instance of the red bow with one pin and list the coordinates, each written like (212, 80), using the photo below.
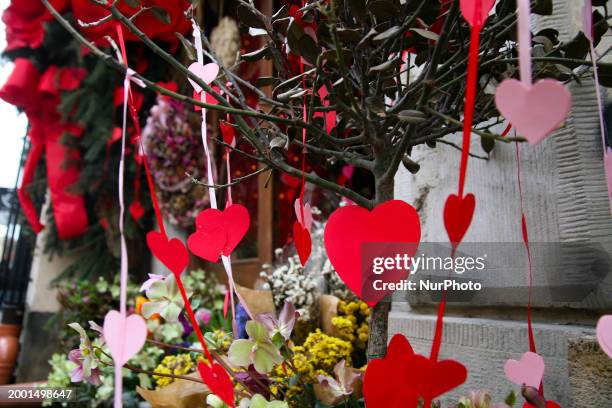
(39, 95)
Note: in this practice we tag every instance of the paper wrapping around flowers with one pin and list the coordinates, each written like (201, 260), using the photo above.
(179, 394)
(328, 308)
(258, 301)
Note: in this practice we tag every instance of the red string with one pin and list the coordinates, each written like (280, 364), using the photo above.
(468, 119)
(470, 101)
(160, 220)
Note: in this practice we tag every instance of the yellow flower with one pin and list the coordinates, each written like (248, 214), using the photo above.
(179, 364)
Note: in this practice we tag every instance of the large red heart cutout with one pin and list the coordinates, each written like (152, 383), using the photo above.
(172, 253)
(218, 381)
(235, 220)
(302, 241)
(431, 378)
(209, 243)
(476, 12)
(350, 227)
(458, 213)
(385, 380)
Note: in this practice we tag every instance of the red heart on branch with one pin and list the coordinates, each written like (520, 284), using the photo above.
(235, 220)
(458, 213)
(549, 404)
(172, 253)
(228, 133)
(470, 8)
(218, 381)
(350, 227)
(208, 244)
(302, 241)
(385, 380)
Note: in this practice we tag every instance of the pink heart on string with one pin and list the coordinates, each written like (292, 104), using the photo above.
(604, 334)
(470, 14)
(207, 73)
(307, 221)
(172, 253)
(529, 370)
(534, 111)
(124, 336)
(458, 214)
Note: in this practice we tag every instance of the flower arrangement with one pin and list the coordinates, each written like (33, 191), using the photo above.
(173, 148)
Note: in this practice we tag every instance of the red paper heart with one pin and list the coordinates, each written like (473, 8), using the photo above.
(209, 243)
(136, 210)
(469, 11)
(458, 213)
(303, 244)
(385, 380)
(431, 378)
(549, 404)
(172, 253)
(218, 381)
(234, 221)
(351, 226)
(228, 133)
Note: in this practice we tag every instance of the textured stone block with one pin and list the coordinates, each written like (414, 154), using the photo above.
(484, 345)
(590, 373)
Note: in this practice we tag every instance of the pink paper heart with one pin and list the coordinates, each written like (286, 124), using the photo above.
(469, 9)
(124, 336)
(207, 73)
(529, 370)
(307, 221)
(534, 111)
(604, 334)
(608, 171)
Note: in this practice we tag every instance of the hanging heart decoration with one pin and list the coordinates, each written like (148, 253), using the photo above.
(219, 232)
(303, 243)
(303, 214)
(172, 253)
(124, 336)
(535, 110)
(208, 73)
(349, 227)
(604, 334)
(458, 214)
(529, 370)
(402, 378)
(218, 381)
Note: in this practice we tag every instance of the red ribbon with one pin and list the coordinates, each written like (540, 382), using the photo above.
(39, 95)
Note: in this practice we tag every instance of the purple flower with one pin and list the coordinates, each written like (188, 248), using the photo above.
(85, 370)
(284, 324)
(152, 279)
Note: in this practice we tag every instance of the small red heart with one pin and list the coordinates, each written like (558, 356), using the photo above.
(303, 244)
(385, 381)
(234, 220)
(476, 12)
(228, 133)
(218, 381)
(172, 253)
(431, 379)
(136, 210)
(208, 244)
(458, 213)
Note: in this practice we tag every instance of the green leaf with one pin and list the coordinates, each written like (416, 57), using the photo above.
(251, 17)
(187, 46)
(151, 308)
(511, 398)
(257, 331)
(161, 14)
(240, 352)
(430, 35)
(487, 144)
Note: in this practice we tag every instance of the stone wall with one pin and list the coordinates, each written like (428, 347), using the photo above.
(566, 200)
